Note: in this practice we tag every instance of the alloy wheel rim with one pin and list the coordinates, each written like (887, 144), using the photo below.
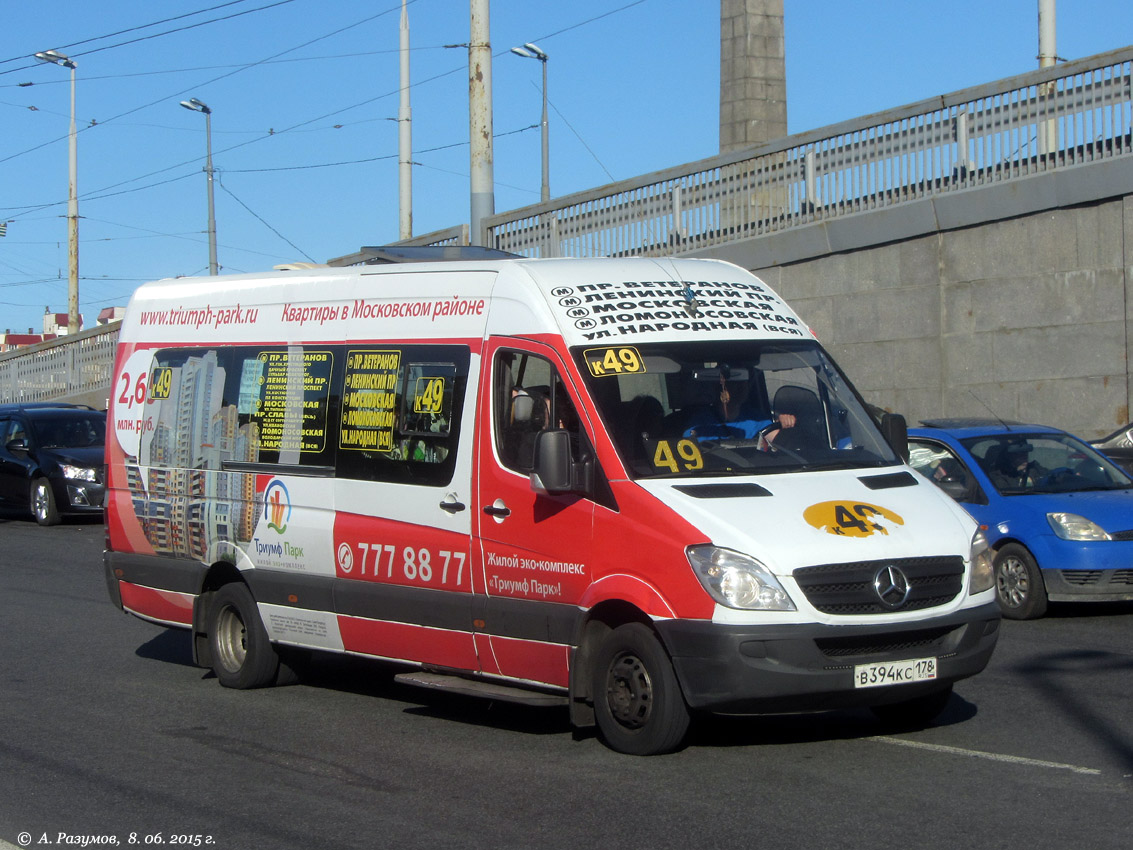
(1013, 582)
(39, 502)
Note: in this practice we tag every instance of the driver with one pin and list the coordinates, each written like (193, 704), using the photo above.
(1015, 468)
(726, 421)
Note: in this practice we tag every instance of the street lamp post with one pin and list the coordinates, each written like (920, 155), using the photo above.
(57, 58)
(198, 106)
(530, 51)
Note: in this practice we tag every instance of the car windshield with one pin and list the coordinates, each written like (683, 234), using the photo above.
(70, 431)
(733, 408)
(1019, 464)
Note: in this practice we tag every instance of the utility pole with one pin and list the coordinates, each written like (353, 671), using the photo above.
(57, 58)
(405, 137)
(532, 51)
(1048, 58)
(483, 199)
(195, 105)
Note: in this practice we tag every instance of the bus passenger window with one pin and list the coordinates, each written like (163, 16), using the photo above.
(530, 397)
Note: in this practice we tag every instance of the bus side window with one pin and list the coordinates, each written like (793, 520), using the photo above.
(401, 408)
(530, 397)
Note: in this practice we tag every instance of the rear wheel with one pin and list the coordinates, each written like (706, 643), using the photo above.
(637, 701)
(43, 506)
(242, 655)
(1019, 584)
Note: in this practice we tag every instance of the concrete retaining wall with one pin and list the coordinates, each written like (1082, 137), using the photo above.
(1024, 318)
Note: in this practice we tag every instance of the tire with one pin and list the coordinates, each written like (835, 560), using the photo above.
(637, 700)
(242, 655)
(915, 713)
(1019, 586)
(43, 506)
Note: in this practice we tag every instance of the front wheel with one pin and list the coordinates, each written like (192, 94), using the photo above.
(43, 506)
(1019, 584)
(637, 701)
(242, 655)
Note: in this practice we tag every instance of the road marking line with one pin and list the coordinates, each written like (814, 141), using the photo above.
(957, 751)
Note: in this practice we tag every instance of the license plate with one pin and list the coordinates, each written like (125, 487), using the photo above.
(894, 672)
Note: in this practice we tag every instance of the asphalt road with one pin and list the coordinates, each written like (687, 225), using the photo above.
(109, 734)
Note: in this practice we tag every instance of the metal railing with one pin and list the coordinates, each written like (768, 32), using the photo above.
(1053, 118)
(61, 369)
(1056, 118)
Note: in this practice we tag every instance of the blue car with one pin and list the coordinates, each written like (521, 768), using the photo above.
(1058, 515)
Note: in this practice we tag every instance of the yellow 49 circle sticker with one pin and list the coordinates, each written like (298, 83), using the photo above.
(851, 519)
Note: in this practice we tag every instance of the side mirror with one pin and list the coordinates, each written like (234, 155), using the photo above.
(957, 489)
(554, 472)
(896, 433)
(20, 444)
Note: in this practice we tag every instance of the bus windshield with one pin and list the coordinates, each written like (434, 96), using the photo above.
(730, 408)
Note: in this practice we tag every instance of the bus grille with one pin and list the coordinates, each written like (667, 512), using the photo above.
(848, 589)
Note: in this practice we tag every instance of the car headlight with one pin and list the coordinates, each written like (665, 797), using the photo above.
(736, 580)
(1074, 527)
(81, 473)
(983, 574)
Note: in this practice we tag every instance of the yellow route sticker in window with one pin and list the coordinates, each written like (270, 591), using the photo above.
(430, 395)
(160, 382)
(616, 360)
(851, 519)
(686, 458)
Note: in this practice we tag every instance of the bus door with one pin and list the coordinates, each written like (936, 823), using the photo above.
(535, 550)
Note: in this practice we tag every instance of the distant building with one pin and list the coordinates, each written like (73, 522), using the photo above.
(10, 341)
(54, 326)
(56, 323)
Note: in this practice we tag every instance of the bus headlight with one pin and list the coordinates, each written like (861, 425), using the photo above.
(983, 574)
(737, 580)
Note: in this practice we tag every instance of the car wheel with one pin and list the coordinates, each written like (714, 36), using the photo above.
(637, 700)
(43, 503)
(1019, 584)
(242, 655)
(915, 713)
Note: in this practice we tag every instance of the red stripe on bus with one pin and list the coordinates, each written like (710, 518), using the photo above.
(408, 642)
(541, 662)
(164, 605)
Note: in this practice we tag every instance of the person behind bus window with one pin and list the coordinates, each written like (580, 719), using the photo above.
(727, 420)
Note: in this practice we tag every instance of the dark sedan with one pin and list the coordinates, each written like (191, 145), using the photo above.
(51, 460)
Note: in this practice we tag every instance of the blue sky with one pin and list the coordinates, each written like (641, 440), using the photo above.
(304, 93)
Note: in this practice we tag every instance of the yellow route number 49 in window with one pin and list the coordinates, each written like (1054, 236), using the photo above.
(618, 360)
(687, 456)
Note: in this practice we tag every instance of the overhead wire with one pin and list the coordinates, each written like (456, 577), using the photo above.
(135, 29)
(209, 82)
(255, 215)
(154, 73)
(96, 196)
(153, 35)
(339, 111)
(106, 193)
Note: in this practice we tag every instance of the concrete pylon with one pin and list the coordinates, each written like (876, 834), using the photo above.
(753, 73)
